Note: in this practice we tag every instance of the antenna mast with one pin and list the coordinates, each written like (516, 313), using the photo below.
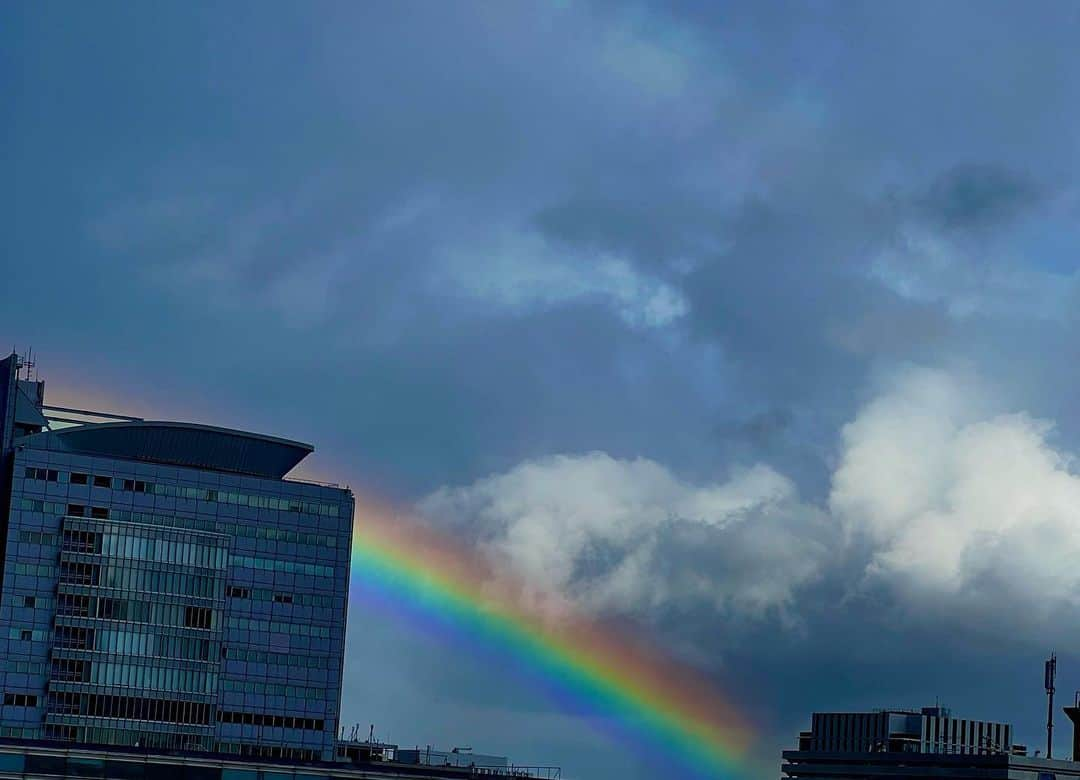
(1050, 674)
(25, 362)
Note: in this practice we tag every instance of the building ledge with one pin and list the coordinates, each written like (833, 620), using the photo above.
(179, 444)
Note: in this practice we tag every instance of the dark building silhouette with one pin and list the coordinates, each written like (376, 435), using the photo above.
(910, 744)
(929, 730)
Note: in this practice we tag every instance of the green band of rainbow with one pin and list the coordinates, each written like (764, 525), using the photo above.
(593, 669)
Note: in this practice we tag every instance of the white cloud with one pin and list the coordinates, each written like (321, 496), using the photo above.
(523, 270)
(629, 536)
(927, 266)
(940, 500)
(965, 509)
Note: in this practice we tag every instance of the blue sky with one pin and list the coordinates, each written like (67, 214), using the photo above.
(752, 324)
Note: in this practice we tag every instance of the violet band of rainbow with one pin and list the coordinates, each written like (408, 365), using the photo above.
(625, 687)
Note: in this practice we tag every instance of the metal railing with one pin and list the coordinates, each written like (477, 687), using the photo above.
(517, 772)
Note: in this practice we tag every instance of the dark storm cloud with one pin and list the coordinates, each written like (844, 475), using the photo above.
(446, 242)
(975, 195)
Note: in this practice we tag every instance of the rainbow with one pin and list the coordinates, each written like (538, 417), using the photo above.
(621, 685)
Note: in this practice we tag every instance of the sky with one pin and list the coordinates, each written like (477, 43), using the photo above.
(753, 326)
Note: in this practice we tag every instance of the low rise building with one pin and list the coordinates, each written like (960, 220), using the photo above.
(908, 744)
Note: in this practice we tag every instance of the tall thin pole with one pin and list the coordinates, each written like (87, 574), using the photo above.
(1050, 674)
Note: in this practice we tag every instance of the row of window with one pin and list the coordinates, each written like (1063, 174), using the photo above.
(276, 564)
(191, 493)
(159, 645)
(263, 594)
(20, 700)
(266, 751)
(277, 534)
(34, 505)
(163, 551)
(79, 573)
(75, 637)
(28, 634)
(277, 659)
(79, 766)
(246, 530)
(38, 602)
(271, 689)
(124, 515)
(80, 510)
(18, 732)
(273, 721)
(34, 569)
(144, 523)
(129, 707)
(133, 675)
(239, 499)
(25, 667)
(170, 740)
(130, 610)
(135, 643)
(277, 627)
(134, 543)
(84, 479)
(37, 537)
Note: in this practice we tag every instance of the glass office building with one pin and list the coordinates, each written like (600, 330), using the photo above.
(164, 586)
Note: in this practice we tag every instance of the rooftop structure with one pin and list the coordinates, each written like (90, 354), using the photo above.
(929, 730)
(179, 444)
(904, 743)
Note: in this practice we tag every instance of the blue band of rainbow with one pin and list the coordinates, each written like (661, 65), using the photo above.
(603, 675)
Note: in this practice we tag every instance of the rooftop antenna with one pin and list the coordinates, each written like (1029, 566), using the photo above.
(371, 733)
(26, 362)
(1050, 672)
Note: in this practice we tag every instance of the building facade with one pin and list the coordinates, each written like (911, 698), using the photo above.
(924, 766)
(929, 730)
(165, 586)
(908, 744)
(39, 760)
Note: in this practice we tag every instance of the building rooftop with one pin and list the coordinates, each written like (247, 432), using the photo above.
(36, 758)
(179, 444)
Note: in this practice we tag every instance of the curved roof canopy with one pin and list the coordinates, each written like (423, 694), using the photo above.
(182, 444)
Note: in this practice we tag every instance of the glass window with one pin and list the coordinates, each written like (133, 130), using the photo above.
(85, 767)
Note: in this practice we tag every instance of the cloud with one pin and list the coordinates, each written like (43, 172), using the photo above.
(978, 194)
(523, 271)
(942, 501)
(629, 537)
(967, 510)
(927, 265)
